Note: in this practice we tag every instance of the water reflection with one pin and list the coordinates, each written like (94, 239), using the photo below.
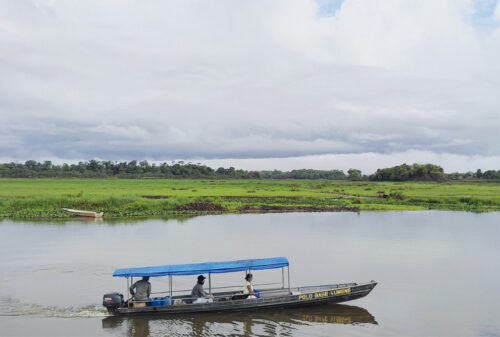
(75, 220)
(272, 322)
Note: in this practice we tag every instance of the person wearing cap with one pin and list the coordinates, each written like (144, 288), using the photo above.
(199, 294)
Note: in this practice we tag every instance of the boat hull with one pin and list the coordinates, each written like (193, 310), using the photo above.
(300, 297)
(87, 214)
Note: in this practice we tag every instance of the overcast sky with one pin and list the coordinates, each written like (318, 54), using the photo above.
(253, 84)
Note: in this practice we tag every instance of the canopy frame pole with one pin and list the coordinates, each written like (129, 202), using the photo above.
(288, 269)
(170, 286)
(210, 283)
(131, 283)
(250, 271)
(283, 277)
(128, 294)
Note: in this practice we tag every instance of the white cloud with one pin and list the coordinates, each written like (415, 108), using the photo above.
(161, 80)
(116, 131)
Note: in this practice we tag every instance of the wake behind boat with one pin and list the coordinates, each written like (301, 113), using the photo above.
(279, 297)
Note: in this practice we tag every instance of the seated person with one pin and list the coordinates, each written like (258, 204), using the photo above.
(248, 289)
(199, 294)
(143, 290)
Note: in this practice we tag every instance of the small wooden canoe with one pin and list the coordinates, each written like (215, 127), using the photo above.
(84, 213)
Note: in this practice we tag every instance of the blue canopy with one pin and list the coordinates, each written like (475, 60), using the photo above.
(204, 268)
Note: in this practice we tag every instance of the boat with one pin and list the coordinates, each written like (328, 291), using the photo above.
(84, 213)
(282, 296)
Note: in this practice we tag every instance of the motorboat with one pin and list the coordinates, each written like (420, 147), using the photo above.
(180, 301)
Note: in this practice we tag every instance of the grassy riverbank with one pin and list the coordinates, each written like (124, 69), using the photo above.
(39, 198)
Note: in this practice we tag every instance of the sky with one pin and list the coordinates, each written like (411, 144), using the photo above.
(290, 84)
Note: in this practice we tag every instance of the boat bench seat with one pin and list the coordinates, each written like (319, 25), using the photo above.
(239, 296)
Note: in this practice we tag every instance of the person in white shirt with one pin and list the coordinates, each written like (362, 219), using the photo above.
(248, 289)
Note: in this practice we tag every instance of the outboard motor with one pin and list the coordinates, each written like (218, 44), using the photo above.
(112, 301)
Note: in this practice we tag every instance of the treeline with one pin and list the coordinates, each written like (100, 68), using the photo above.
(304, 174)
(132, 169)
(143, 169)
(182, 170)
(429, 172)
(490, 175)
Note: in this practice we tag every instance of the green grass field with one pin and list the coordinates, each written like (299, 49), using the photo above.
(42, 198)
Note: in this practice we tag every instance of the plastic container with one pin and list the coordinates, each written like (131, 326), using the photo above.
(158, 301)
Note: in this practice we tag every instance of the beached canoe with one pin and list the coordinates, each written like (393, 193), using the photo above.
(283, 296)
(84, 213)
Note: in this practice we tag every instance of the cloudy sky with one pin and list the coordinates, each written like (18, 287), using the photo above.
(254, 84)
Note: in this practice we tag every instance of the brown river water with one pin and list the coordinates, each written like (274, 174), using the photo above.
(438, 273)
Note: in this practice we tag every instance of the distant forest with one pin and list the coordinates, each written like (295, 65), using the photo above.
(182, 170)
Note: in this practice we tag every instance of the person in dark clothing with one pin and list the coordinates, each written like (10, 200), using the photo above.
(142, 290)
(199, 294)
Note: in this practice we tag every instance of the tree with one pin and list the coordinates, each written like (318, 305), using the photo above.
(415, 172)
(354, 174)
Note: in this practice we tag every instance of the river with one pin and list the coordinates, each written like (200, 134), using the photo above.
(438, 272)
